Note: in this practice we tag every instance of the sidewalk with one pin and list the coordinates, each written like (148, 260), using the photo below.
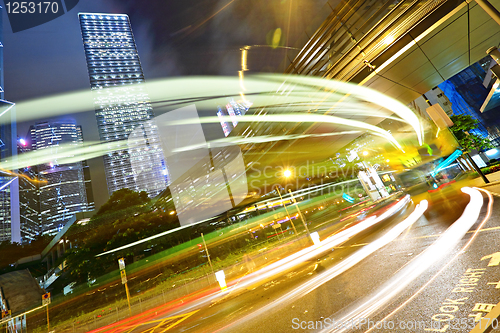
(493, 186)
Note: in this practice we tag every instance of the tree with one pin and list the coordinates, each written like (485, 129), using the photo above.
(123, 219)
(462, 126)
(123, 198)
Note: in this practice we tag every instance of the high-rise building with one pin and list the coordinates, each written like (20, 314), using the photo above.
(122, 105)
(9, 183)
(233, 109)
(64, 189)
(1, 55)
(29, 203)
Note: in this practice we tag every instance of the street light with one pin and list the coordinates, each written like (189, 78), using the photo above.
(287, 173)
(300, 213)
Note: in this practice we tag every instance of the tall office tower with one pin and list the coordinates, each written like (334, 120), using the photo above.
(63, 189)
(233, 109)
(29, 203)
(9, 183)
(1, 55)
(122, 105)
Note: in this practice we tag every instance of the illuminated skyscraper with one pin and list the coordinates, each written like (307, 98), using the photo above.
(9, 185)
(122, 105)
(63, 188)
(29, 194)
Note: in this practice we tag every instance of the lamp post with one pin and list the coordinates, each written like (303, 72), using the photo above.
(300, 213)
(288, 215)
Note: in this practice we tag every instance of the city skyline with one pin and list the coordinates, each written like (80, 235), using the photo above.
(58, 65)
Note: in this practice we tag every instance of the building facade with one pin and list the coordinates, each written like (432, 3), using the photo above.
(64, 189)
(29, 194)
(9, 183)
(122, 106)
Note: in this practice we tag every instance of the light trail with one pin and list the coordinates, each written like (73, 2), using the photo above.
(313, 251)
(442, 246)
(265, 89)
(72, 153)
(288, 118)
(479, 228)
(324, 246)
(258, 139)
(301, 256)
(244, 226)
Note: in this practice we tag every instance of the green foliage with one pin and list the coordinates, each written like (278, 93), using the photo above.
(462, 124)
(125, 218)
(122, 199)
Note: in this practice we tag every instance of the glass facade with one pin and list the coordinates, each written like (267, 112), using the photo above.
(122, 105)
(233, 109)
(29, 204)
(1, 55)
(9, 184)
(63, 188)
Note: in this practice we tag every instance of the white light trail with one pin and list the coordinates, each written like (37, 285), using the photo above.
(441, 247)
(313, 251)
(318, 93)
(476, 232)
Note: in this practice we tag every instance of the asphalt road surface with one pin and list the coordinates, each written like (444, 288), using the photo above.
(430, 278)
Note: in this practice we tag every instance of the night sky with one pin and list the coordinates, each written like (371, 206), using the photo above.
(174, 37)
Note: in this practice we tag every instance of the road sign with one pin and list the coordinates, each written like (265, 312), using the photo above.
(124, 276)
(494, 259)
(46, 299)
(6, 313)
(347, 197)
(121, 263)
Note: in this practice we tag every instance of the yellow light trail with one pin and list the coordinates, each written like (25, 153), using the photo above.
(267, 91)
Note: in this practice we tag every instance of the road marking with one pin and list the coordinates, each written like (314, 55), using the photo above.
(490, 318)
(173, 321)
(494, 259)
(486, 218)
(420, 237)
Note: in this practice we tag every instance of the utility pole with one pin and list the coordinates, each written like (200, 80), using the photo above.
(206, 251)
(478, 169)
(121, 263)
(300, 213)
(288, 215)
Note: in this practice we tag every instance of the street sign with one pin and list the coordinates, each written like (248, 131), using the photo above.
(347, 197)
(121, 263)
(124, 276)
(46, 299)
(6, 313)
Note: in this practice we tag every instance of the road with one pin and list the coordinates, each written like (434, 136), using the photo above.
(388, 285)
